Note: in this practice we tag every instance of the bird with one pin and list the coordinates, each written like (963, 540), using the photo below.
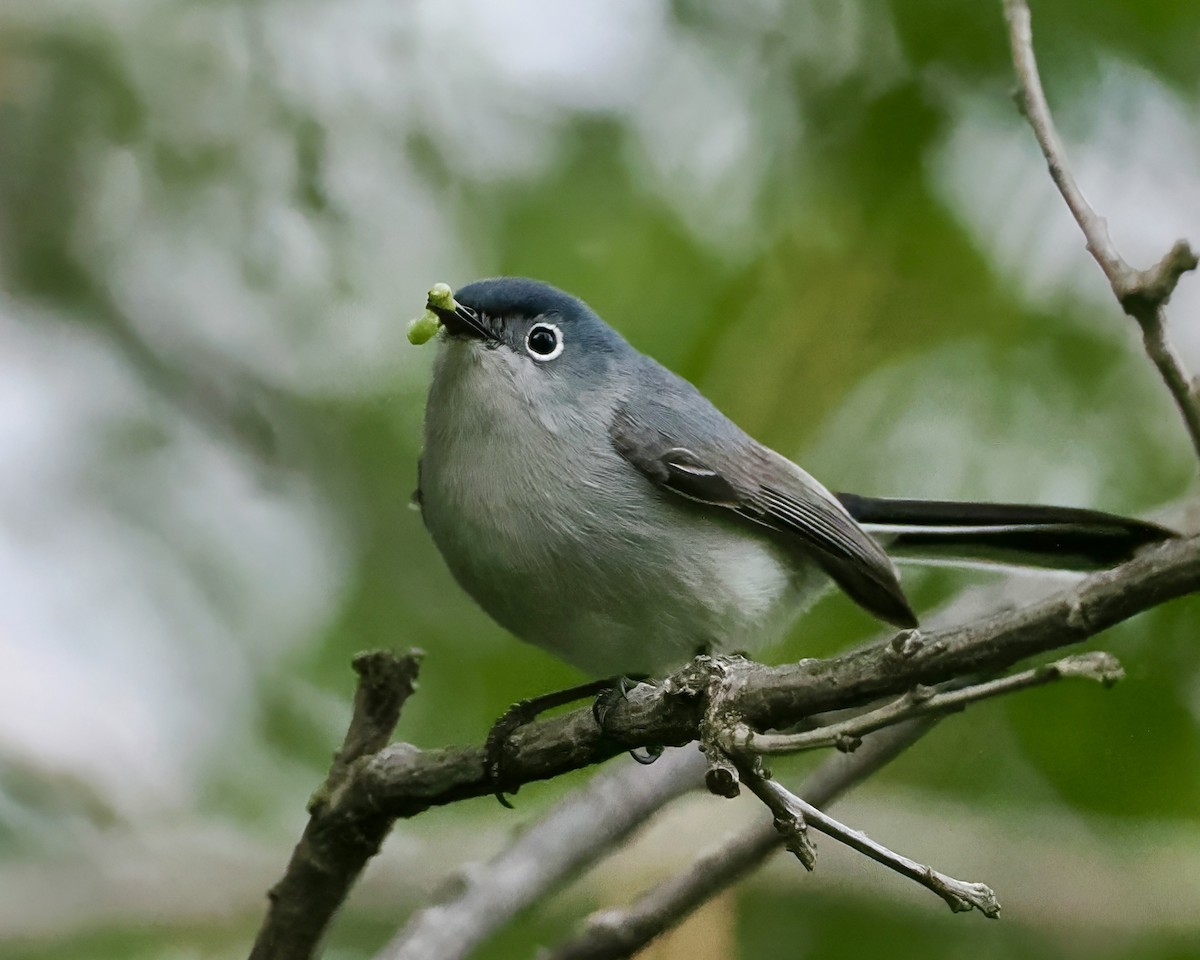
(599, 506)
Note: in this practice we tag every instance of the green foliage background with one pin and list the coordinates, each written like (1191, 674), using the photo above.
(215, 221)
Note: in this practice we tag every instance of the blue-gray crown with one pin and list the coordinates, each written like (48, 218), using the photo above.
(519, 297)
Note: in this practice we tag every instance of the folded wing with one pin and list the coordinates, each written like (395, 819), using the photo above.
(690, 454)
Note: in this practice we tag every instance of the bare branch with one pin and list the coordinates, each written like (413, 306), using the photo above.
(402, 780)
(367, 789)
(587, 824)
(1142, 293)
(791, 810)
(789, 819)
(921, 701)
(620, 933)
(342, 832)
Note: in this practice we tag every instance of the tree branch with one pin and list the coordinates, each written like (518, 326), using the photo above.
(343, 832)
(617, 933)
(923, 701)
(369, 787)
(402, 780)
(593, 821)
(793, 815)
(1142, 293)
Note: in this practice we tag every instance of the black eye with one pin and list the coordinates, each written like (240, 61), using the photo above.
(544, 341)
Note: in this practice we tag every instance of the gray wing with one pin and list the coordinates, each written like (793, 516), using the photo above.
(694, 451)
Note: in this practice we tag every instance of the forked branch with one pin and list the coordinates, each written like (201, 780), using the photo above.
(1143, 294)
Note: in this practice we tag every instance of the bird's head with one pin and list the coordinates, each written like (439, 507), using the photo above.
(514, 344)
(540, 324)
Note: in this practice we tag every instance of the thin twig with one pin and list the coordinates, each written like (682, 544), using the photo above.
(789, 819)
(790, 810)
(847, 734)
(1141, 293)
(342, 833)
(616, 933)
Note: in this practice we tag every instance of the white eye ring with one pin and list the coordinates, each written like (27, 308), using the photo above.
(541, 328)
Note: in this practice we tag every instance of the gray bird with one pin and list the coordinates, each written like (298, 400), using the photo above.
(597, 505)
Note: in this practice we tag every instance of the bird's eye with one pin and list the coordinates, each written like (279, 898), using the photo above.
(544, 341)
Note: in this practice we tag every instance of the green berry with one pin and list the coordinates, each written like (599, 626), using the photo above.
(423, 329)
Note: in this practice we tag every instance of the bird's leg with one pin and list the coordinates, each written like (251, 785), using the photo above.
(525, 711)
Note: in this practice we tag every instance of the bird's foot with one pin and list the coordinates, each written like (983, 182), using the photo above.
(612, 695)
(515, 717)
(608, 694)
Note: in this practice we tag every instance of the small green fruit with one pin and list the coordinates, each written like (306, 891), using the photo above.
(423, 329)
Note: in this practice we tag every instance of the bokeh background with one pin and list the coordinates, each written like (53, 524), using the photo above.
(216, 219)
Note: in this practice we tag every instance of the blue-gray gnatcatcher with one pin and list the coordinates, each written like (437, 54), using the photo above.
(597, 505)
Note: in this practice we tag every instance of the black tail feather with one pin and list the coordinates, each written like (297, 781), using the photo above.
(1030, 534)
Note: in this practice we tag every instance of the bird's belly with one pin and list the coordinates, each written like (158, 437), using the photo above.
(646, 610)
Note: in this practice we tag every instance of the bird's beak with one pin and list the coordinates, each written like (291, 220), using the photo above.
(461, 321)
